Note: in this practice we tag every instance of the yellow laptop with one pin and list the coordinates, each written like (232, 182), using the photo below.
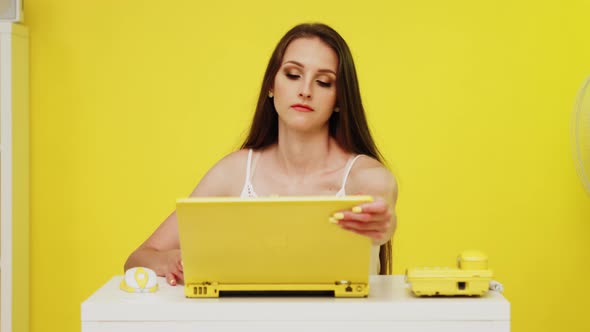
(271, 246)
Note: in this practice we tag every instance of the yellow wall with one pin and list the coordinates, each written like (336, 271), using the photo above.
(132, 101)
(21, 162)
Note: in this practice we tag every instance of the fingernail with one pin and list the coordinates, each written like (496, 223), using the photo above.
(338, 216)
(333, 220)
(172, 282)
(357, 209)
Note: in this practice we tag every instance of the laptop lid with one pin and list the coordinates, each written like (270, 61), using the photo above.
(270, 240)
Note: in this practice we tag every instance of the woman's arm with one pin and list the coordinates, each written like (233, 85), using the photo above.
(377, 219)
(161, 251)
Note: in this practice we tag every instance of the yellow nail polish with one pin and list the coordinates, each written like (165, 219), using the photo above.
(357, 209)
(333, 221)
(338, 216)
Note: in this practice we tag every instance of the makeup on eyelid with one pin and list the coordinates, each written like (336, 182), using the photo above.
(322, 83)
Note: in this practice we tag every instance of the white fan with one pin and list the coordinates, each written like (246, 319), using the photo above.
(581, 134)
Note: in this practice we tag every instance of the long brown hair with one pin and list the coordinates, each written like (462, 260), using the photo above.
(348, 127)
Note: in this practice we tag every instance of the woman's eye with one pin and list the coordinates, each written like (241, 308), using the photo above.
(324, 84)
(292, 76)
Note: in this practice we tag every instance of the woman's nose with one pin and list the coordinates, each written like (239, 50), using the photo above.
(304, 95)
(305, 92)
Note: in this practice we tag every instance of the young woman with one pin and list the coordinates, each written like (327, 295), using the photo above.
(309, 136)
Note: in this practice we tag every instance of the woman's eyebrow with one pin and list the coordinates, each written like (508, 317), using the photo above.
(302, 66)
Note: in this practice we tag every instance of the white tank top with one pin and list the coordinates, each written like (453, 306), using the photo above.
(248, 192)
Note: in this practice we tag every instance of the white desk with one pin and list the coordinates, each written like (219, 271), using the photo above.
(389, 307)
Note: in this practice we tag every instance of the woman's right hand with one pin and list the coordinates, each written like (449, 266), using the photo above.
(172, 267)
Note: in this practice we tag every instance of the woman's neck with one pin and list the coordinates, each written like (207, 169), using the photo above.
(301, 154)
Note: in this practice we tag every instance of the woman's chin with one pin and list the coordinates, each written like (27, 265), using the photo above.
(304, 124)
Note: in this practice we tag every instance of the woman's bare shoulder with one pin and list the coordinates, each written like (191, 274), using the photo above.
(225, 176)
(369, 176)
(233, 159)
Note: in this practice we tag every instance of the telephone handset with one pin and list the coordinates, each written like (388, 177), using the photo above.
(470, 277)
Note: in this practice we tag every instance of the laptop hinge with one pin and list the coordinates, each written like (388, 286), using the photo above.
(340, 288)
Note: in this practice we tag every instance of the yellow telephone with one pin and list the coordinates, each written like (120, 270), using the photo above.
(471, 277)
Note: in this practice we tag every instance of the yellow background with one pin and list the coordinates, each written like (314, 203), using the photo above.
(132, 101)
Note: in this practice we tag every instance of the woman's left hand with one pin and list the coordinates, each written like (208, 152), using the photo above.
(374, 220)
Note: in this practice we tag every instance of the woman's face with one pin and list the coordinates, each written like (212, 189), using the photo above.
(305, 85)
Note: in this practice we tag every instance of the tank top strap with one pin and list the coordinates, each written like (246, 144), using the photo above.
(349, 165)
(247, 186)
(248, 166)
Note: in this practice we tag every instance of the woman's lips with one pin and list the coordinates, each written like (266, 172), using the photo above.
(302, 108)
